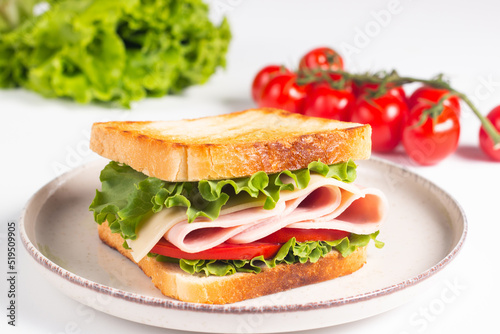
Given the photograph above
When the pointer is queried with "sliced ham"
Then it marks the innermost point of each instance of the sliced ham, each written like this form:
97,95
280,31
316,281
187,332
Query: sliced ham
324,203
203,234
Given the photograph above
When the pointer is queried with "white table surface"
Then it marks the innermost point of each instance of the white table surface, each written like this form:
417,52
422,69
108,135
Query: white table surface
41,138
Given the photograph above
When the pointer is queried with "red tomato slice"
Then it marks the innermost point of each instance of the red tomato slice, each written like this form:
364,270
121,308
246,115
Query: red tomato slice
224,251
305,234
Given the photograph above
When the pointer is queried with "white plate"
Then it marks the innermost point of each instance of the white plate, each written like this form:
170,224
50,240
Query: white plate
424,231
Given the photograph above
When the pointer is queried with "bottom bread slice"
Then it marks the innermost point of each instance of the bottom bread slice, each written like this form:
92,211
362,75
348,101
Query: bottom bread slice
175,283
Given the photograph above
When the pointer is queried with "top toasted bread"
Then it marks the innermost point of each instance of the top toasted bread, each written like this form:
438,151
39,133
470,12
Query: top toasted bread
229,146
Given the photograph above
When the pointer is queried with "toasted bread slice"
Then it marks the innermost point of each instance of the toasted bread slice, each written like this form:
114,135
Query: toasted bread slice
175,283
229,146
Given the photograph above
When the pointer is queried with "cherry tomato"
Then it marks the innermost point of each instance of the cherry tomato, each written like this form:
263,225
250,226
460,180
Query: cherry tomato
426,94
303,234
485,141
324,101
368,87
386,115
263,77
283,92
322,58
224,251
434,140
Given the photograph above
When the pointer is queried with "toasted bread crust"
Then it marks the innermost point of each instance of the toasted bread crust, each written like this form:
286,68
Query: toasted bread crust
175,283
228,146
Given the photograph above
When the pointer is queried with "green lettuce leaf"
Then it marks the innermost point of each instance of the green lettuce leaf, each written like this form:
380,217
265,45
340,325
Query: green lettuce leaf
128,197
114,51
291,252
14,12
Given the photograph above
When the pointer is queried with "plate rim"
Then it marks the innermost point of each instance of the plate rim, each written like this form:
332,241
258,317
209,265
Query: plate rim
231,308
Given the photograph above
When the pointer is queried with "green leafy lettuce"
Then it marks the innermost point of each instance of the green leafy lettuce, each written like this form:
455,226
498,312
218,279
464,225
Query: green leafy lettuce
128,197
14,12
111,50
291,252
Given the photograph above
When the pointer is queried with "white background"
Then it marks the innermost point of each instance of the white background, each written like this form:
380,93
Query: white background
40,138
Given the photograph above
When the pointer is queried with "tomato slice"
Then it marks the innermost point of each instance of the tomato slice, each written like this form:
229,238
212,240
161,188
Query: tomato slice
305,234
268,246
224,251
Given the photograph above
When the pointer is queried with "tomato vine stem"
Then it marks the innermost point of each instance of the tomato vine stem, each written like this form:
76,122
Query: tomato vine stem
388,80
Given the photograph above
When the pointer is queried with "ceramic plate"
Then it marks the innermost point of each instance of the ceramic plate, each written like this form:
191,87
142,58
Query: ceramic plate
59,233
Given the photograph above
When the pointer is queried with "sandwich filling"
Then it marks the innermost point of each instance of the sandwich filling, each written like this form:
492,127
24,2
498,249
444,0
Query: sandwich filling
285,209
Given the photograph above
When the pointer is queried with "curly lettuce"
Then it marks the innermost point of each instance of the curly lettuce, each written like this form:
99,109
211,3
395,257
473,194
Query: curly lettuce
127,197
14,12
291,252
113,51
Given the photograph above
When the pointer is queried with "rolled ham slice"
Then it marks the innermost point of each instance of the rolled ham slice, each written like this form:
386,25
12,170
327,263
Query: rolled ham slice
325,203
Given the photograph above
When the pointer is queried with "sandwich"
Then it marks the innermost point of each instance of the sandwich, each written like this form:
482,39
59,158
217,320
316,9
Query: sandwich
226,208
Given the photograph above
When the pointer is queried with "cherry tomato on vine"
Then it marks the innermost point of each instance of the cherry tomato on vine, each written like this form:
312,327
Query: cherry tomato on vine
386,115
435,139
368,87
283,92
322,58
485,142
324,101
263,77
427,94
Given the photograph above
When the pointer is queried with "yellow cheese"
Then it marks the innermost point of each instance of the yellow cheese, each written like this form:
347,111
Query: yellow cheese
156,226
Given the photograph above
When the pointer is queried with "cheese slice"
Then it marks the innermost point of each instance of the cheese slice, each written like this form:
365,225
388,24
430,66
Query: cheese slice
157,225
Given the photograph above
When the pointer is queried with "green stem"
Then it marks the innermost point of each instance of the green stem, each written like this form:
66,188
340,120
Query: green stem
487,125
383,78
